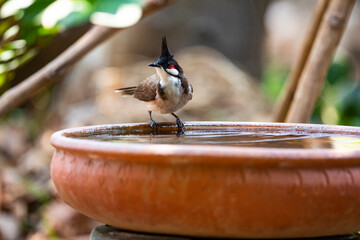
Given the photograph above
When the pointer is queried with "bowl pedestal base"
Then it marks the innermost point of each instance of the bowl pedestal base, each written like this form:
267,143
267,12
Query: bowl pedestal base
105,232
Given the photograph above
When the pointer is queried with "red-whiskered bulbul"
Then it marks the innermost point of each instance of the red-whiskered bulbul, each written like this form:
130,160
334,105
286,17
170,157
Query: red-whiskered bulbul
166,91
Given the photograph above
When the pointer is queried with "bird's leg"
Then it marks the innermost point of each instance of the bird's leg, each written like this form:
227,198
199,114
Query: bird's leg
153,124
179,123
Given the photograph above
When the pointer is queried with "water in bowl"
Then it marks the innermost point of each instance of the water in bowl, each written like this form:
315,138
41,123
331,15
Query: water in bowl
232,137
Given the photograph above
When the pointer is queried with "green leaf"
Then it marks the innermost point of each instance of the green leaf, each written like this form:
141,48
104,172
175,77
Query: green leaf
12,7
38,23
2,79
117,14
17,44
111,6
32,13
80,14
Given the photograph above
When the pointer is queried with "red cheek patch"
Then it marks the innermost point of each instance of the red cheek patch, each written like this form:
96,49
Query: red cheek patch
171,66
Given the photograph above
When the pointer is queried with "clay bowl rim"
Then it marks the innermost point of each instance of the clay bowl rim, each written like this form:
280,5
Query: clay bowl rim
206,154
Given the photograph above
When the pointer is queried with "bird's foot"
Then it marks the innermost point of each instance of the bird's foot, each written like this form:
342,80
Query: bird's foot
153,124
180,124
180,132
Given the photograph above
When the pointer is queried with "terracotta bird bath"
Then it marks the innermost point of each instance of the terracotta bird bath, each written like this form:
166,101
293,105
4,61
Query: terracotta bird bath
218,179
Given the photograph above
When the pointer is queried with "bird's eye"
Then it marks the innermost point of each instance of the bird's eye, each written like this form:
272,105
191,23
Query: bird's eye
171,66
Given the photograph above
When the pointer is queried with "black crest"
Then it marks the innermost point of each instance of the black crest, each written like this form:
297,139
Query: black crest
165,52
166,58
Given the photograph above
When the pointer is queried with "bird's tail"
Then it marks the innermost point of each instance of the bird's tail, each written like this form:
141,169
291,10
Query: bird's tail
126,91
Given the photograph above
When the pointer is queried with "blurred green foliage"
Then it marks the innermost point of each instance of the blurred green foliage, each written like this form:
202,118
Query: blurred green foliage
340,99
273,79
339,102
27,25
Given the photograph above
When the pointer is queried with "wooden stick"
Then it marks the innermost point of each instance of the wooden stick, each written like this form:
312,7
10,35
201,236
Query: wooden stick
313,76
287,94
60,65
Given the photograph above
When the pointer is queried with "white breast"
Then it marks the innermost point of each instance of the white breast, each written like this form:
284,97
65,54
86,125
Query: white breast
170,84
172,87
174,98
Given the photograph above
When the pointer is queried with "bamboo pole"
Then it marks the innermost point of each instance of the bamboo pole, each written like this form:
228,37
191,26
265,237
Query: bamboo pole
60,65
287,94
314,73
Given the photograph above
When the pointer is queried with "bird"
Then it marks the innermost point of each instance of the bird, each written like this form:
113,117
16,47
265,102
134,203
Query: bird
166,91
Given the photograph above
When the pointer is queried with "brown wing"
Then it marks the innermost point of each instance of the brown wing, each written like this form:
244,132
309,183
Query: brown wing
146,90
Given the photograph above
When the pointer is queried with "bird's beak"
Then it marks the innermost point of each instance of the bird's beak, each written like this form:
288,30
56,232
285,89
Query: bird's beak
154,65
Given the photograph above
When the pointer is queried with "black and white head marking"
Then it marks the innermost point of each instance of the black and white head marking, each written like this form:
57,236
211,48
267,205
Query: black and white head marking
167,62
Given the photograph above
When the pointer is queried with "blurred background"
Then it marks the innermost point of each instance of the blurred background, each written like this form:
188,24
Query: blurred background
236,53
